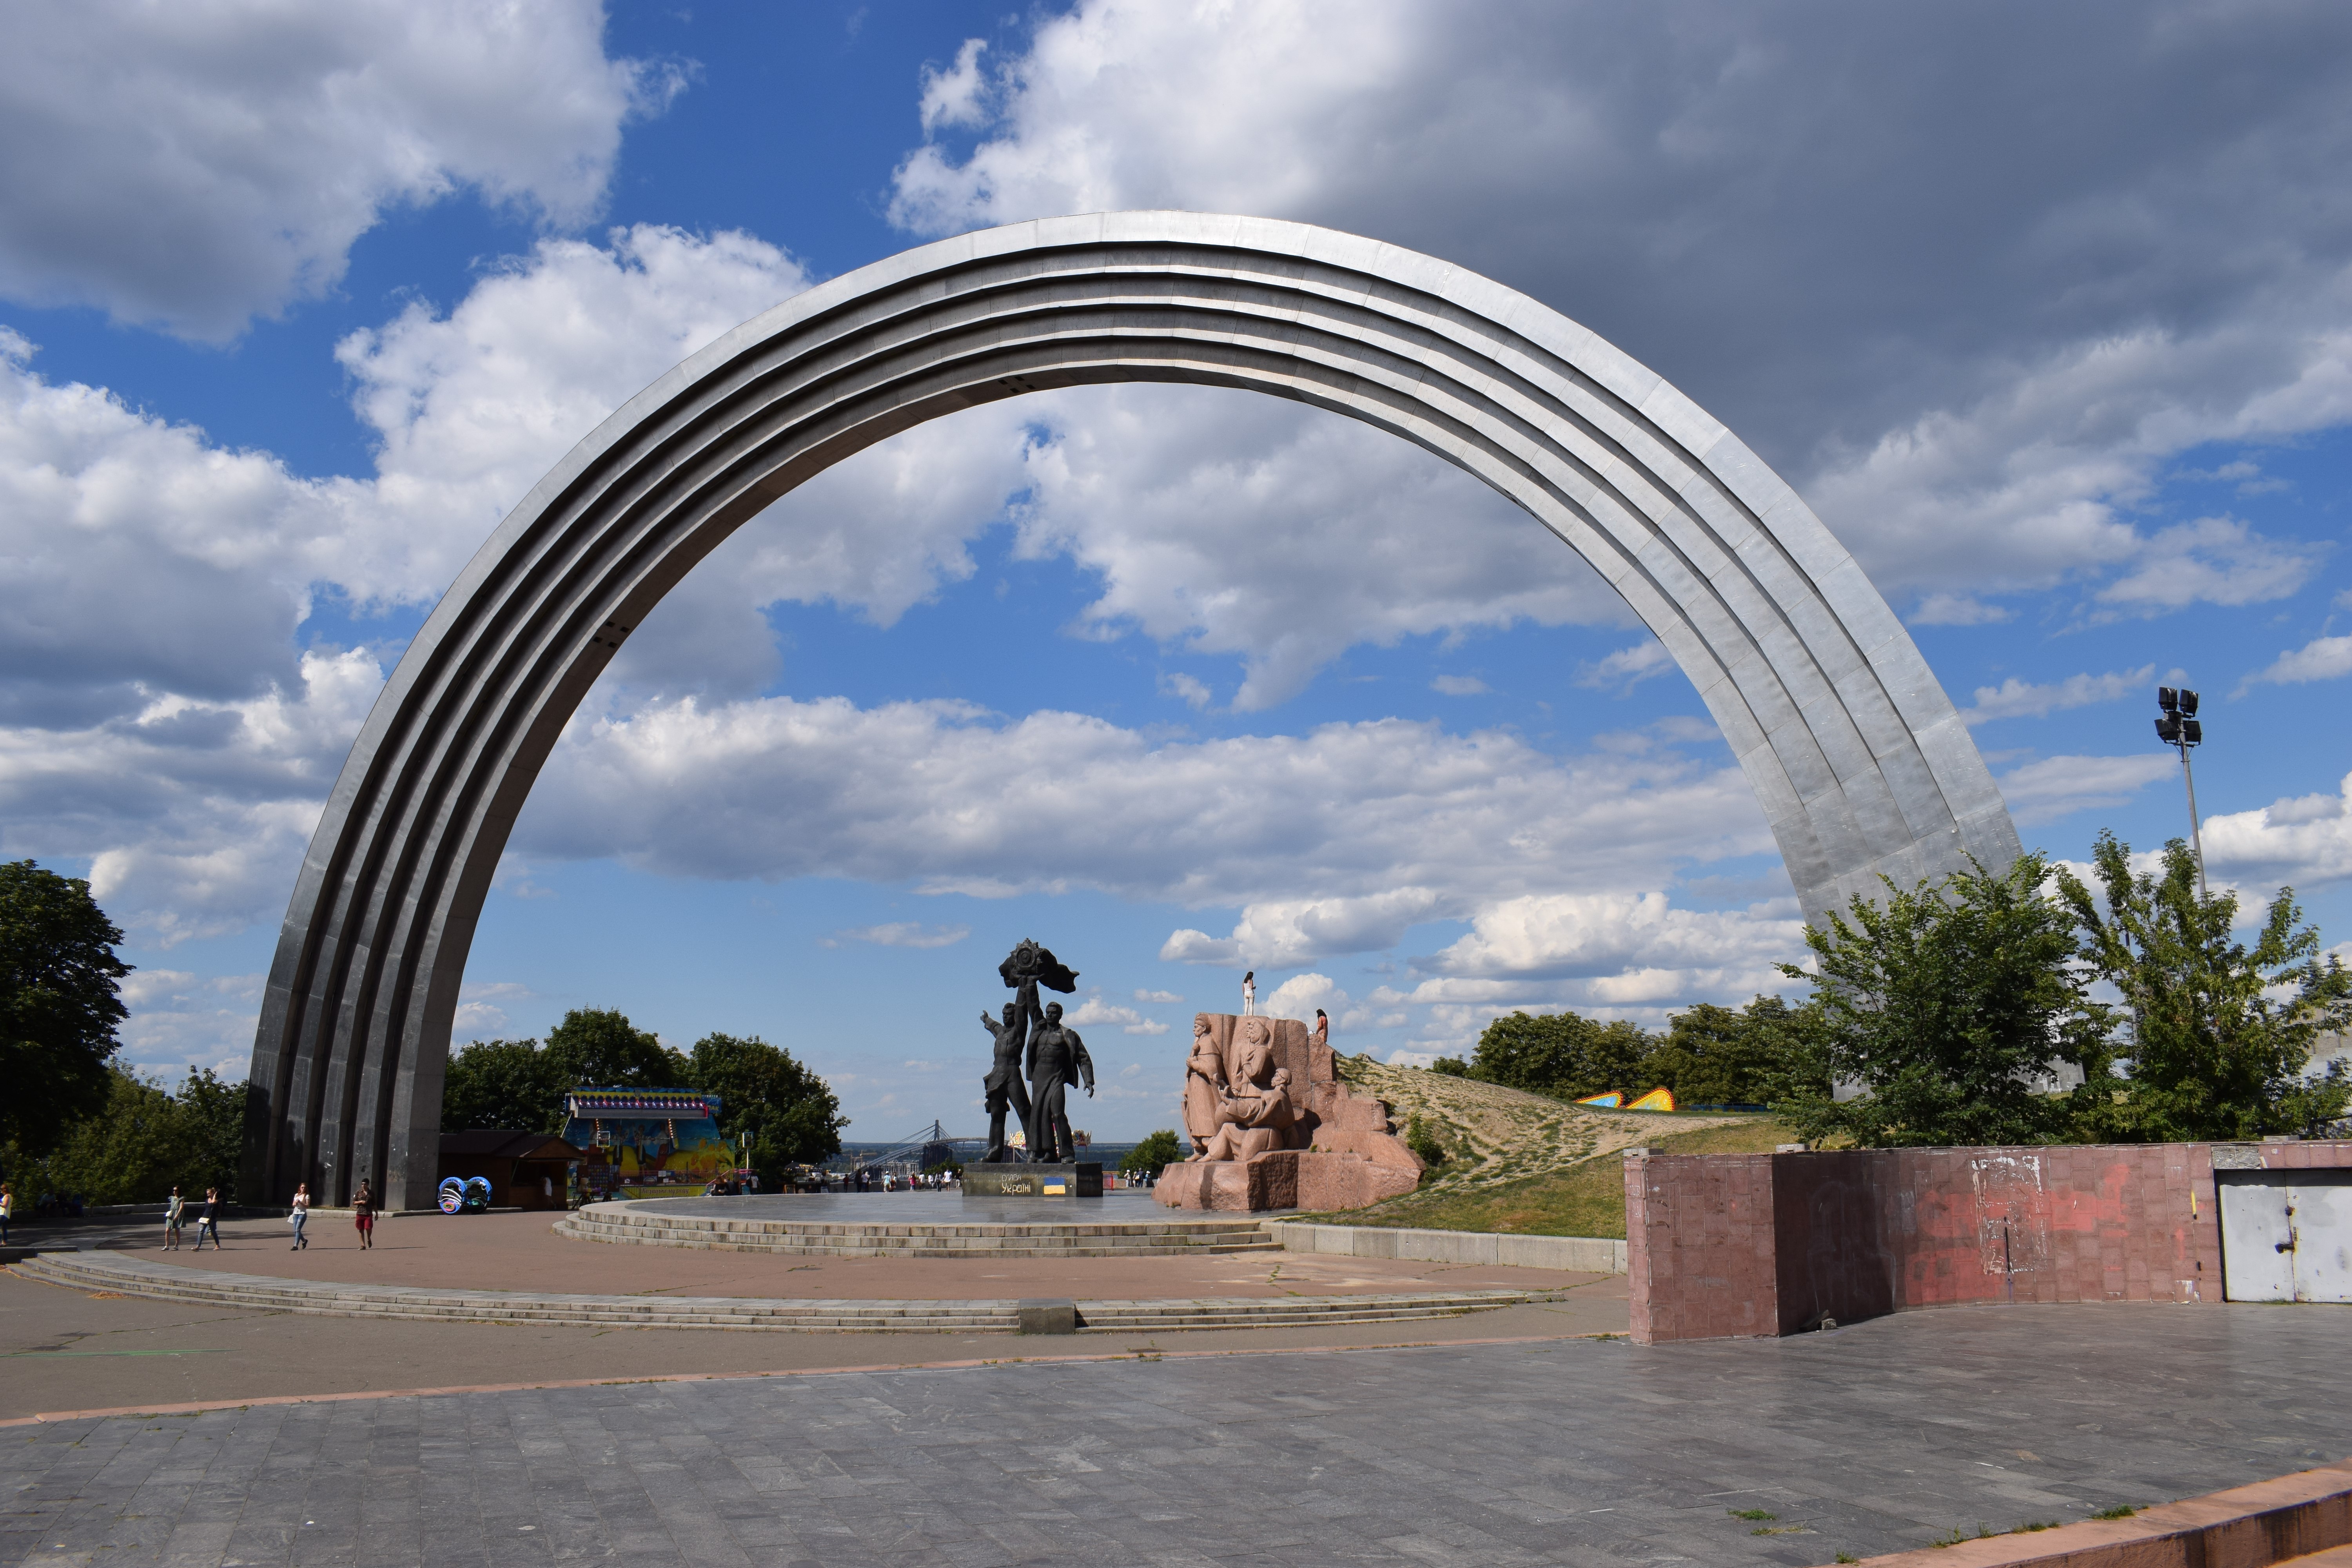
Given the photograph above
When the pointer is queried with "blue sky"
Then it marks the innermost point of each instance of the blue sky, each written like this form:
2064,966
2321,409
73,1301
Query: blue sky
2049,315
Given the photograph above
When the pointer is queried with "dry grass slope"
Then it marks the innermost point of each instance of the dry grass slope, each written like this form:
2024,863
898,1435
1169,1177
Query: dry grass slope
1493,1135
1521,1164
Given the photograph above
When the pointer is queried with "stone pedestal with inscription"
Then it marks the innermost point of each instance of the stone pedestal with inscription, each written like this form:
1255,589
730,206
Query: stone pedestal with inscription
1081,1180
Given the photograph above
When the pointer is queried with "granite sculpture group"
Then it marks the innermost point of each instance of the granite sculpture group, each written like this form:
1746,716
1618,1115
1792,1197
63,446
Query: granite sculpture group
1272,1127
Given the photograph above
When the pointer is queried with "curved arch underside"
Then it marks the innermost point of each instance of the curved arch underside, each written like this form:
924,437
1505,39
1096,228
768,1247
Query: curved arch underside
1856,754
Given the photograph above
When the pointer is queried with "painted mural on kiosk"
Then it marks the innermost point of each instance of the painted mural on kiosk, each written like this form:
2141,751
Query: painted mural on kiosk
645,1143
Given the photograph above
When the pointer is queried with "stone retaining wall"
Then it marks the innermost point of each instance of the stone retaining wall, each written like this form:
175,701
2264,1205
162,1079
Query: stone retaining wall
1576,1253
1725,1246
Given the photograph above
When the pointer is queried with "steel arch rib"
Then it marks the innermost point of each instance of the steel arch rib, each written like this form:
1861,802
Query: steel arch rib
1860,760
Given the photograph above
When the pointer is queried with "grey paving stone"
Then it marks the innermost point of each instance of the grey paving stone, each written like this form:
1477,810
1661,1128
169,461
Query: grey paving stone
1877,1438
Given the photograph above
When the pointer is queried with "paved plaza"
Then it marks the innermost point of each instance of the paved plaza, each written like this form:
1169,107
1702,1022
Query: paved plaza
522,1252
1873,1439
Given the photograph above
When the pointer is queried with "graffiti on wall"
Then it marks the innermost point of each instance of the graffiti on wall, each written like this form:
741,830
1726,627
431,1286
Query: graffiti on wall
2012,1211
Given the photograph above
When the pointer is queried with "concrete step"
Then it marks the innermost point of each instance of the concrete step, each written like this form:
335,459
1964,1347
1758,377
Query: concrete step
165,1281
1137,1239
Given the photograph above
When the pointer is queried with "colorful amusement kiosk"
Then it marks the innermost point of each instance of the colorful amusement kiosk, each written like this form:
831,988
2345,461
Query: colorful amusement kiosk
645,1143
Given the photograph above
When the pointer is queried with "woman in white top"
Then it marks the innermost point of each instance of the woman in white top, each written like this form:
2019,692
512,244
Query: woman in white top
173,1213
301,1213
1249,994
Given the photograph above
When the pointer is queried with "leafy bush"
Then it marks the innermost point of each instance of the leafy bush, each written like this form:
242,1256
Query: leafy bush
1158,1150
144,1141
2216,1036
1565,1055
1423,1142
1952,1006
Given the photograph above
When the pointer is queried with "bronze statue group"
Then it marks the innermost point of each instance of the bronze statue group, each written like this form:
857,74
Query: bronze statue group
1040,1048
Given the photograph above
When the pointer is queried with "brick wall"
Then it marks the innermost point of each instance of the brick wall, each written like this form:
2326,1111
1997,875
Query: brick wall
1722,1246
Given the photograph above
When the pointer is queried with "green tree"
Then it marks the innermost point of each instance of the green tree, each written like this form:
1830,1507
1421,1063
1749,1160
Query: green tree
2217,1035
1156,1150
133,1150
789,1114
502,1083
214,1114
1718,1056
1951,1007
598,1048
1564,1054
58,1006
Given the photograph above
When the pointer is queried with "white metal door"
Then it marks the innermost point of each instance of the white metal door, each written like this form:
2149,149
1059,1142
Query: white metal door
2257,1242
2322,1216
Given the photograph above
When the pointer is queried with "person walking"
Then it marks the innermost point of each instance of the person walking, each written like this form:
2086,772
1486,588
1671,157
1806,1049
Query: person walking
209,1219
300,1215
7,1203
175,1209
364,1215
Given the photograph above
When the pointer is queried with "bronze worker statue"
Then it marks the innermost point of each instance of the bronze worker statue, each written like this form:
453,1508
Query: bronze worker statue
1002,1087
1024,969
1056,1056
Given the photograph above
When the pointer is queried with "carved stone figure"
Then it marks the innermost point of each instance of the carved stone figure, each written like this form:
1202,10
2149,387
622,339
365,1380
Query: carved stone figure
1255,1113
1204,1084
1056,1056
1003,1086
1272,1127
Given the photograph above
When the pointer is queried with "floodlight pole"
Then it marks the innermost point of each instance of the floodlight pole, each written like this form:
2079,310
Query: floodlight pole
2196,836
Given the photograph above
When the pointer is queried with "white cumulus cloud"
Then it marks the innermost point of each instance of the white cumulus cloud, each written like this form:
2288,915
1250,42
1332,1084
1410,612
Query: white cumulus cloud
195,166
2054,788
2013,697
2321,659
1975,279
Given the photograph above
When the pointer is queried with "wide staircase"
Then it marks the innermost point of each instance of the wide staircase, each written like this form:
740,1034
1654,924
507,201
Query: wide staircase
651,1225
121,1274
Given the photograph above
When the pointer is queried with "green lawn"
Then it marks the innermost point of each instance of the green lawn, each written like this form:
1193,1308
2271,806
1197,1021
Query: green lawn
1587,1199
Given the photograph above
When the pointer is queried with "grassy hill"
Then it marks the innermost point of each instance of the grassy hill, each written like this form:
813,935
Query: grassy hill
1521,1164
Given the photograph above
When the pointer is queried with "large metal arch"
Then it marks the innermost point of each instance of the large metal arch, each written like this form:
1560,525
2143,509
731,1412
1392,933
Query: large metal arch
1858,757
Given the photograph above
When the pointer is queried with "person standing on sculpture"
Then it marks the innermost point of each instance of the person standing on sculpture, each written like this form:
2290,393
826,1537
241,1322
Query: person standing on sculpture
1249,994
1003,1087
1056,1056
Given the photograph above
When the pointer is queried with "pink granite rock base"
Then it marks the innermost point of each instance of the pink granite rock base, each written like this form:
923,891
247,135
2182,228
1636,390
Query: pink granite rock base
1282,1179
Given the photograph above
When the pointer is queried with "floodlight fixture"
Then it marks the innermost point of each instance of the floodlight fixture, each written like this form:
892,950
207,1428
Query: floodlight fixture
2176,728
